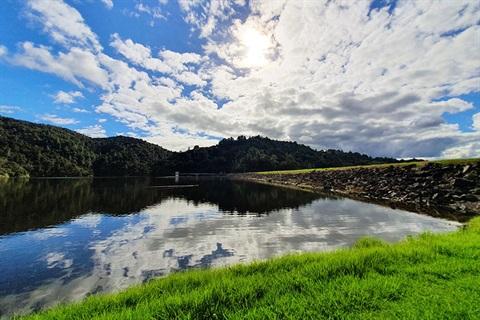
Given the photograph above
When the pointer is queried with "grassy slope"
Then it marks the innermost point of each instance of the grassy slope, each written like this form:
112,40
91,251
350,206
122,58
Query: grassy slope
421,163
433,276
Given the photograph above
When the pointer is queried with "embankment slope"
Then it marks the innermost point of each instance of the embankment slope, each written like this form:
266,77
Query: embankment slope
449,189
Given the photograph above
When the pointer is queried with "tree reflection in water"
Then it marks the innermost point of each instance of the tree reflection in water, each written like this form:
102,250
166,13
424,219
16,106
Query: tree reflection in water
29,204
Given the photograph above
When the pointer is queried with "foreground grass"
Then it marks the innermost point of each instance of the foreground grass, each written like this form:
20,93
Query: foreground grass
417,163
432,276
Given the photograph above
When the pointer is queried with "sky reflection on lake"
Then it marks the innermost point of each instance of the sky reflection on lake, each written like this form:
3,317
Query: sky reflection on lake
95,252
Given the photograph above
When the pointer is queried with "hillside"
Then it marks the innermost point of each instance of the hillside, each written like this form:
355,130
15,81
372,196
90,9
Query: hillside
125,156
259,154
38,150
43,150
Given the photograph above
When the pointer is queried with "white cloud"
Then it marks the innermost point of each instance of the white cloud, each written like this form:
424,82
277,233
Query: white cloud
169,62
476,122
207,16
3,51
180,141
178,61
468,150
56,119
155,11
9,109
67,97
134,52
454,105
78,110
95,131
63,23
120,73
108,3
74,66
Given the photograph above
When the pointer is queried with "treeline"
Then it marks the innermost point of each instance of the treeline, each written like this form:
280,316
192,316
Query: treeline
259,154
38,150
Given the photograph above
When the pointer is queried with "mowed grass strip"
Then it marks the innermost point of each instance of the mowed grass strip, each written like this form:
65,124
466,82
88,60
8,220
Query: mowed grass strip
432,276
383,165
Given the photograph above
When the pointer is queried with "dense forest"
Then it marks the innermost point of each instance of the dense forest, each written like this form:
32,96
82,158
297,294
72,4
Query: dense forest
39,150
259,154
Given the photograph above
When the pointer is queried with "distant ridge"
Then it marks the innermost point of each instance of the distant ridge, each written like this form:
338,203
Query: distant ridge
259,154
39,150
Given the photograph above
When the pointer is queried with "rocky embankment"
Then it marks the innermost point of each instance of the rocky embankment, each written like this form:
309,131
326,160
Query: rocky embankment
449,190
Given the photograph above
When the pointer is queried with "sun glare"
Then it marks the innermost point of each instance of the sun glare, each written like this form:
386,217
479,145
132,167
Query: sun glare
256,47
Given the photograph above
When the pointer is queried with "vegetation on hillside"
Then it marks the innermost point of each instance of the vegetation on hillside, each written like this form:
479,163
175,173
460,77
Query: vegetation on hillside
38,150
259,154
432,276
43,150
124,156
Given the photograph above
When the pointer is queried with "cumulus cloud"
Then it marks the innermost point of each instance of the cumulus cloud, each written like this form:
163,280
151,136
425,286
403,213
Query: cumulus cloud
134,52
206,16
3,51
63,23
476,122
468,150
95,131
108,3
168,62
452,106
74,66
154,11
9,109
78,110
52,118
178,141
67,97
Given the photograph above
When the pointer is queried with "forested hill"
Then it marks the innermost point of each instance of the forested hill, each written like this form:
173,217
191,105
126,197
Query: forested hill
38,150
259,154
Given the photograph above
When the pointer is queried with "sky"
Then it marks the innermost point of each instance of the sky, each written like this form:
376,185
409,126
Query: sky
384,77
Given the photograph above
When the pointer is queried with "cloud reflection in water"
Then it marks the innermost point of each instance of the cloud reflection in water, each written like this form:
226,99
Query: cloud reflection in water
96,253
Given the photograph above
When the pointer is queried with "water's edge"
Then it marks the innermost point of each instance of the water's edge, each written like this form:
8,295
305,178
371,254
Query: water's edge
444,191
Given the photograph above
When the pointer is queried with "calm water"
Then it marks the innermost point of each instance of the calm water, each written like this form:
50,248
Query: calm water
64,239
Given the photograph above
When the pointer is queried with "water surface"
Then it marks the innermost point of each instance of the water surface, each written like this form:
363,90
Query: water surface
64,239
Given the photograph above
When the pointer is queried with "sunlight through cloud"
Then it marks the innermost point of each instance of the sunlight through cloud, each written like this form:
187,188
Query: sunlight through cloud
256,47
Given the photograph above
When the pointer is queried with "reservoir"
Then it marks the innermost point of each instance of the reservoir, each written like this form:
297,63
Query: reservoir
62,240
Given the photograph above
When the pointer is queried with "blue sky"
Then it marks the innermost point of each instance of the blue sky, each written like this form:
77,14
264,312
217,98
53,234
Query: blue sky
383,77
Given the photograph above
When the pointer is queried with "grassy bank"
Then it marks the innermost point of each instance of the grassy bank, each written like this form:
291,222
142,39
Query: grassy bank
416,163
432,276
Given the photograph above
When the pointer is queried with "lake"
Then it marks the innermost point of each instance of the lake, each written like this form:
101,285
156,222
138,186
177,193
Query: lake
64,239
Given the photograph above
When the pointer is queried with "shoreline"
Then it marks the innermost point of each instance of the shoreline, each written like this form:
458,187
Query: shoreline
450,191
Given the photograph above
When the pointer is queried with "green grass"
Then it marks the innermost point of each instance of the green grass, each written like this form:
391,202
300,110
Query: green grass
417,163
432,276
